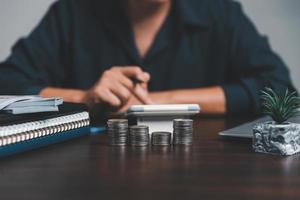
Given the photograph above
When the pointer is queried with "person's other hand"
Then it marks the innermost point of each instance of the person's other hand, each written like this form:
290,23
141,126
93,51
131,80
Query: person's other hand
116,87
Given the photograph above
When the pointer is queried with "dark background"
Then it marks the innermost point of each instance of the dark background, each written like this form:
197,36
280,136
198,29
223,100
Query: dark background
277,18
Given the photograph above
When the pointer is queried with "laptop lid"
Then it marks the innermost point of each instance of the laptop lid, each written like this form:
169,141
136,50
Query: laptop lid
245,130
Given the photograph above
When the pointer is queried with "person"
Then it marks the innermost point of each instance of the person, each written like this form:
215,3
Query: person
122,52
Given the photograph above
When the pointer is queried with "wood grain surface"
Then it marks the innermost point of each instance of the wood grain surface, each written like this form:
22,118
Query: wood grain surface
212,168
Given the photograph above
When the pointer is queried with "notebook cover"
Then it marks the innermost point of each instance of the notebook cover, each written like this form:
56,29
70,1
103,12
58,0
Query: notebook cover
65,109
43,141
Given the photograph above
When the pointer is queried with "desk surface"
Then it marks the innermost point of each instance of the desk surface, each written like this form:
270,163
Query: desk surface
88,168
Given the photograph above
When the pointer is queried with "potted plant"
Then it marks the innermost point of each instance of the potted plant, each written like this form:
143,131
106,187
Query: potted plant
278,136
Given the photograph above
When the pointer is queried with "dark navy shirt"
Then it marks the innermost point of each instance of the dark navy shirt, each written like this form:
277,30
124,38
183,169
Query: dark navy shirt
201,43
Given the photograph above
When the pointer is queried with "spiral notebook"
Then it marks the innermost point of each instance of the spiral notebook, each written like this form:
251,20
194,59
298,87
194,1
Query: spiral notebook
30,131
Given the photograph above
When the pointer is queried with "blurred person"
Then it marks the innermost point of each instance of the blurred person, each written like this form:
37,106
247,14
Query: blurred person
116,53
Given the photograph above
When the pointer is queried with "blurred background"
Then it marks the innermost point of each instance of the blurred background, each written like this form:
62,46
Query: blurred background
279,19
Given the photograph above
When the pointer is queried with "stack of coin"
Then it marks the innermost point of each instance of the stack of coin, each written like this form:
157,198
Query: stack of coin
161,138
139,135
117,131
183,132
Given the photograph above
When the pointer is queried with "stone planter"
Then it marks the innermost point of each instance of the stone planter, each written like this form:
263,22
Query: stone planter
278,139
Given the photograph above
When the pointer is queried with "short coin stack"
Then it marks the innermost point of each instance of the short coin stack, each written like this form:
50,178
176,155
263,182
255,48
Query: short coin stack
183,131
161,138
117,131
139,135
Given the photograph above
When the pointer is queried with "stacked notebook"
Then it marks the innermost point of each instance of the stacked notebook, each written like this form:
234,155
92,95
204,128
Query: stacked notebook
28,104
29,131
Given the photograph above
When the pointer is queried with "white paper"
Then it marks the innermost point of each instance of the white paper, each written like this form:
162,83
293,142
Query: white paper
8,100
28,104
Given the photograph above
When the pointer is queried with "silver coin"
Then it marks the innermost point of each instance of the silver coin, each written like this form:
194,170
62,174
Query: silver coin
117,130
161,138
139,128
182,122
183,132
139,135
161,133
183,140
117,121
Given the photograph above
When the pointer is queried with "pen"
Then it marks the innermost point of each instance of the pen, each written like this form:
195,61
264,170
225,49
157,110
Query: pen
136,81
140,92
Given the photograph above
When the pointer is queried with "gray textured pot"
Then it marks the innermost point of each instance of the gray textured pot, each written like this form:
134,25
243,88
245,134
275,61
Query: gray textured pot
279,139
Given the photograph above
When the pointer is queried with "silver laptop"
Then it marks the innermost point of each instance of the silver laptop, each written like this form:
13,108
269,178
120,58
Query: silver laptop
245,130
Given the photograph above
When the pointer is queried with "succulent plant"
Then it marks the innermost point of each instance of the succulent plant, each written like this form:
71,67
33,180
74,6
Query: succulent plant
280,106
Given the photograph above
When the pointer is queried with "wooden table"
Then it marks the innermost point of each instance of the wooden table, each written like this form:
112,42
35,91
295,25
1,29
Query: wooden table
213,168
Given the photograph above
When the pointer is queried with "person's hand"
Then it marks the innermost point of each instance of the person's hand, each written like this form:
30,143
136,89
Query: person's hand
116,87
132,101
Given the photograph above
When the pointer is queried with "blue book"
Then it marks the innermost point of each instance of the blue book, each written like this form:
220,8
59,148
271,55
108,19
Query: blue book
20,133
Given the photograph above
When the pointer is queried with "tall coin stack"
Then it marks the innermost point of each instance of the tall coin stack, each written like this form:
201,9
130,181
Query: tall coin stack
183,132
139,135
161,138
117,131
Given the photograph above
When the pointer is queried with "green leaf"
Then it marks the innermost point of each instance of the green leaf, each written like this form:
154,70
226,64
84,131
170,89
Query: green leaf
280,106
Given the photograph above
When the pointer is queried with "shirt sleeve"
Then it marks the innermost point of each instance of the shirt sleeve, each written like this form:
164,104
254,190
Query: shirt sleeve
253,65
39,60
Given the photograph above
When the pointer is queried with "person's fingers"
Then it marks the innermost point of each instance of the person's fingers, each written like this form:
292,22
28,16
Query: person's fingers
106,96
132,101
147,77
144,86
130,85
127,82
121,91
118,84
124,108
136,73
142,95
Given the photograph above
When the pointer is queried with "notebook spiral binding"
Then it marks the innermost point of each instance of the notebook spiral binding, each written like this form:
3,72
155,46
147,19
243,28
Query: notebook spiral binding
27,131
